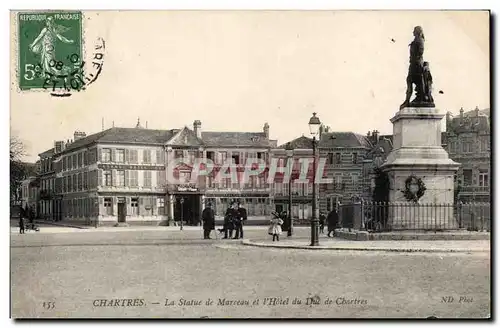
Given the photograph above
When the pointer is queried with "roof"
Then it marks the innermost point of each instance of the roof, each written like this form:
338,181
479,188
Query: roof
344,140
47,153
472,121
299,143
124,135
382,147
485,111
235,139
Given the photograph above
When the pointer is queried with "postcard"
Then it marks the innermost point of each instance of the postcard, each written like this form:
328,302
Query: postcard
266,164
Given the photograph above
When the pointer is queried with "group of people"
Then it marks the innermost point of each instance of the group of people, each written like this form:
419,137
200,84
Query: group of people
236,216
331,221
234,220
26,213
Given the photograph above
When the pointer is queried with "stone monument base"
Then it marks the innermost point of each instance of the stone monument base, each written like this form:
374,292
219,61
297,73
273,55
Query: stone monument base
417,154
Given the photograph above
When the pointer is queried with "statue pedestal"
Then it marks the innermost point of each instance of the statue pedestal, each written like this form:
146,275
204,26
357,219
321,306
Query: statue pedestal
417,152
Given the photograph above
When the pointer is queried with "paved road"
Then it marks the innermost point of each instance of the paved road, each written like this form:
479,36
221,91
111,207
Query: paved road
123,274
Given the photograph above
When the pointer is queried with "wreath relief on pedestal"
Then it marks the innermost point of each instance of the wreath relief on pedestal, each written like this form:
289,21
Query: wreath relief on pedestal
414,188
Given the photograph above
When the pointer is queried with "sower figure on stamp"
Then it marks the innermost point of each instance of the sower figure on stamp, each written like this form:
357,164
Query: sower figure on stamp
45,45
208,218
418,74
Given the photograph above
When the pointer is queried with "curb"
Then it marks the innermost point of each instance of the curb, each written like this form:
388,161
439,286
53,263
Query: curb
367,249
61,225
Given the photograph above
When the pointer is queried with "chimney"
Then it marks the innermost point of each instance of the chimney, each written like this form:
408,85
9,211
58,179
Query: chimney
79,135
375,136
59,146
477,111
197,128
321,131
266,130
461,112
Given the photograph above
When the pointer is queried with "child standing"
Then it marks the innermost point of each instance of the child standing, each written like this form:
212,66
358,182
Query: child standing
275,227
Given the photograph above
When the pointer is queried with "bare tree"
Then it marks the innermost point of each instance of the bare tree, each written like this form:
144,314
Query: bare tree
17,149
17,167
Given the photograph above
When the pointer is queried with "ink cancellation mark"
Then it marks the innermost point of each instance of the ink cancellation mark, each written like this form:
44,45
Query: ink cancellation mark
51,53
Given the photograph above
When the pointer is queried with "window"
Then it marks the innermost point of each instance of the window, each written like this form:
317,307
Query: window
79,160
330,158
191,155
210,155
338,158
178,153
74,160
106,155
133,177
134,204
483,179
133,156
354,158
107,178
467,177
278,188
160,204
75,183
146,156
120,156
80,181
184,177
64,164
85,180
236,159
108,206
120,178
338,181
147,179
260,155
223,157
485,145
354,179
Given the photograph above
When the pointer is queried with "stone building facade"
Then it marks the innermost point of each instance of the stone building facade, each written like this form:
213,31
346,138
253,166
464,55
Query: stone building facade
220,148
468,141
119,175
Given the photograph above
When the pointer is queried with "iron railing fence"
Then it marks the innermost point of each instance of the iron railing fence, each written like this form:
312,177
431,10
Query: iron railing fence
390,216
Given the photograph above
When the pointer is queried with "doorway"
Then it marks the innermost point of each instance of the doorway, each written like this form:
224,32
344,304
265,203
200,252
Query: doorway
189,210
122,210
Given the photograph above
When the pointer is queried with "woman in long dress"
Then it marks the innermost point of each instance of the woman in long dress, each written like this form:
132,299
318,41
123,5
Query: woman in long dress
45,46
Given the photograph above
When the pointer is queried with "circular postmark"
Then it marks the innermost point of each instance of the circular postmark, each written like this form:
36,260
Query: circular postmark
62,80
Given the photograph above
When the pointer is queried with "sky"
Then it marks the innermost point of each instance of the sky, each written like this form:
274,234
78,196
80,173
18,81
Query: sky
236,70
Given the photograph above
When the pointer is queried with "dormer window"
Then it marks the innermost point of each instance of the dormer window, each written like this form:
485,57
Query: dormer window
255,139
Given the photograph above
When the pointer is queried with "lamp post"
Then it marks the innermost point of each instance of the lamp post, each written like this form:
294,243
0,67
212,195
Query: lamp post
314,125
289,154
182,213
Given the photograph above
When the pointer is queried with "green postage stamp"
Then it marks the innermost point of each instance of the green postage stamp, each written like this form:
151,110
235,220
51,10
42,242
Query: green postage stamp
50,50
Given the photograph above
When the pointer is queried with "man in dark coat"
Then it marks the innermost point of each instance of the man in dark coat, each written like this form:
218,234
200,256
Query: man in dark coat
229,222
21,221
322,219
333,219
208,218
241,217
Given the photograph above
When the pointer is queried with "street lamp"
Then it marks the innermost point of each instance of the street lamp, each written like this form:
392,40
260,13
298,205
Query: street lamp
314,125
289,154
182,212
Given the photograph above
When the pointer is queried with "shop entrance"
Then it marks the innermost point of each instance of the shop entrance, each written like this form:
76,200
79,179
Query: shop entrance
188,210
122,209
